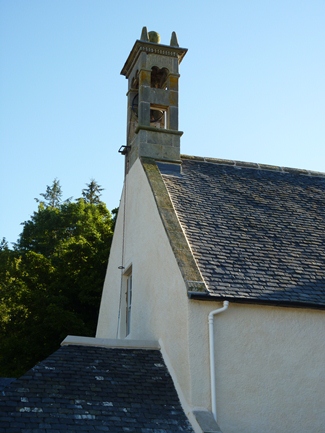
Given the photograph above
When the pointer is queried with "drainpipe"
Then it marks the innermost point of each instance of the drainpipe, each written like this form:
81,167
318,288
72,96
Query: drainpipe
212,368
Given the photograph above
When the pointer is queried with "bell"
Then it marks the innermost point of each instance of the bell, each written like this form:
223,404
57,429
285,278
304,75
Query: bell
156,115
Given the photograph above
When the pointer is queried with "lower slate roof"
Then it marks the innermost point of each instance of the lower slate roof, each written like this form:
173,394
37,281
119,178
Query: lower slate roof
86,389
256,232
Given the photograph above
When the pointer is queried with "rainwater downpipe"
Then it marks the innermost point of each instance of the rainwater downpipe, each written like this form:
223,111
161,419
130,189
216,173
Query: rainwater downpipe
212,360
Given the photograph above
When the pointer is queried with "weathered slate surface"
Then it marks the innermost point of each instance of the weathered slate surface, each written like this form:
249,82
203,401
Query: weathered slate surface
86,389
256,232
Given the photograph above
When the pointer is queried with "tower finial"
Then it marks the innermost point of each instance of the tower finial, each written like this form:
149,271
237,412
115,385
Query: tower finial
173,40
144,34
154,37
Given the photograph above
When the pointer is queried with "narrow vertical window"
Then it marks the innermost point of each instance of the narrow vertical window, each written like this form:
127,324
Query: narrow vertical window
124,327
128,303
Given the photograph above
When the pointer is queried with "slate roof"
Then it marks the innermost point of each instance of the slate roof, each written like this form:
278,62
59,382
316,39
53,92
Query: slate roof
257,232
86,389
5,381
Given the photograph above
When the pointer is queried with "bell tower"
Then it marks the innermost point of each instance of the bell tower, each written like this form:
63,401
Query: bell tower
152,70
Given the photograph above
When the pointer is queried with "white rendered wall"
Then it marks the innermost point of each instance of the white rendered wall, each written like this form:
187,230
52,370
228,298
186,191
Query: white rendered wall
270,367
159,298
109,306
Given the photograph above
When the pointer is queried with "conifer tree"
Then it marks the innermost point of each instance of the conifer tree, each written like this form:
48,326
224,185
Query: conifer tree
52,196
93,192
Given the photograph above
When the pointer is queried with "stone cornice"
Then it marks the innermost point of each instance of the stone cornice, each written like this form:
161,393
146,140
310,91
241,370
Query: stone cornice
151,48
159,130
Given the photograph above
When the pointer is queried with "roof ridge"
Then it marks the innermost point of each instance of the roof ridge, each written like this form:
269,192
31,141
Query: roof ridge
257,166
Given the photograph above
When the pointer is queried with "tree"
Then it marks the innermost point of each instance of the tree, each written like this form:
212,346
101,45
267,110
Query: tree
92,193
51,282
52,195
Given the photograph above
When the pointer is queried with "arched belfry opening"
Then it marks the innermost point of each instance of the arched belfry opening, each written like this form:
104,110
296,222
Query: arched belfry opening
152,70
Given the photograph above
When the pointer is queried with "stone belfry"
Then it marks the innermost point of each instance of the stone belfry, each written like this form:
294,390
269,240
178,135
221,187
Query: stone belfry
152,70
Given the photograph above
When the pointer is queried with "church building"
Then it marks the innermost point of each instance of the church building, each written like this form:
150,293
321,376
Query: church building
212,312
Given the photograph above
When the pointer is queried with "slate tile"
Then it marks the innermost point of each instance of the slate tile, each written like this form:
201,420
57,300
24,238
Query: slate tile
82,410
275,217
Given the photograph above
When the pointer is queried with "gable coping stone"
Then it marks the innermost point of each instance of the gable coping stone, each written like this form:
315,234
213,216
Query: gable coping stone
183,254
110,343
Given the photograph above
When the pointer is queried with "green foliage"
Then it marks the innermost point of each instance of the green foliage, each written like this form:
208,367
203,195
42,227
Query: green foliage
51,282
92,193
52,195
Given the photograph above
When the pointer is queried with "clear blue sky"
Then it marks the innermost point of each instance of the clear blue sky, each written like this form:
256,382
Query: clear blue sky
252,88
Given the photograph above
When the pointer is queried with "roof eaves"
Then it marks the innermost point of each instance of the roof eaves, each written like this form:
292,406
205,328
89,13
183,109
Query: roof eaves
209,296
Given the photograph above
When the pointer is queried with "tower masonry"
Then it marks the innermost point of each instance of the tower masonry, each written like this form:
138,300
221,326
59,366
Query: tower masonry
152,70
